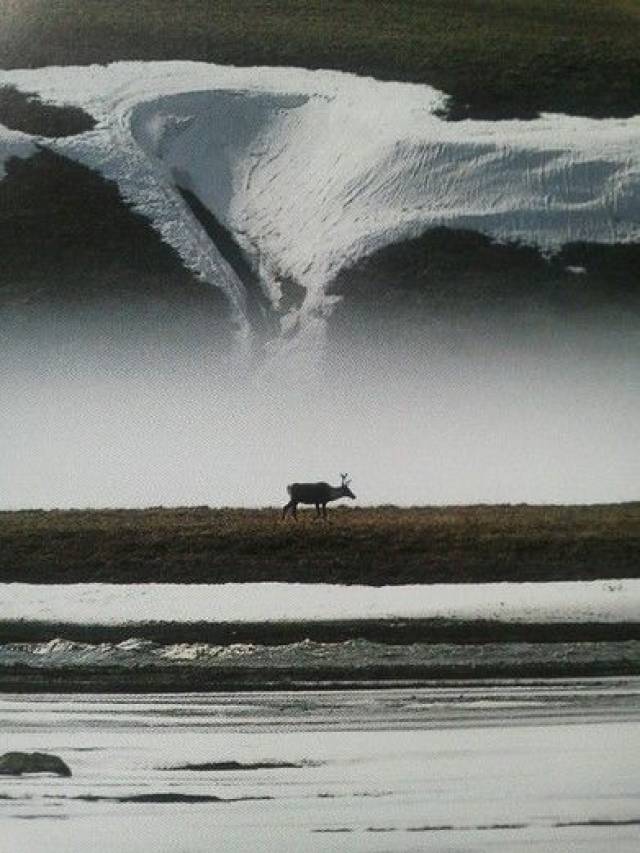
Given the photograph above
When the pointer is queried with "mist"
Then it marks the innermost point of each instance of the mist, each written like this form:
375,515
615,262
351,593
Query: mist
86,424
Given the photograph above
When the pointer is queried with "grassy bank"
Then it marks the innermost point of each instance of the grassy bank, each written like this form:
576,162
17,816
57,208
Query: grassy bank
383,545
496,58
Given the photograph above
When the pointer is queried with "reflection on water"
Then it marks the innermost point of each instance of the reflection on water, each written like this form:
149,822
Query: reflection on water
483,765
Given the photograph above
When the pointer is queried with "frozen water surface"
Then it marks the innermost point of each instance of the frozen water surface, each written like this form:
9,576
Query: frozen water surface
484,766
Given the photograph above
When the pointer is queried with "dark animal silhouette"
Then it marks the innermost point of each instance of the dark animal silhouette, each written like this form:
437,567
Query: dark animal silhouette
316,493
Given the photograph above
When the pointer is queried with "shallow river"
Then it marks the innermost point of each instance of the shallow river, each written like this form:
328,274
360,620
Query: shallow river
544,766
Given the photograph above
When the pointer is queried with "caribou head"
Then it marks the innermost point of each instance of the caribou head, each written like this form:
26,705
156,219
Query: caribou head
346,491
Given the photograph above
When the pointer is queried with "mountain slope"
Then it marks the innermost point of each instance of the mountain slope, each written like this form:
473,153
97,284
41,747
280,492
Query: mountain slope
307,174
497,58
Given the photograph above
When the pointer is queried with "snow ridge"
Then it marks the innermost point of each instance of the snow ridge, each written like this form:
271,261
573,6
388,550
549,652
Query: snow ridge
114,604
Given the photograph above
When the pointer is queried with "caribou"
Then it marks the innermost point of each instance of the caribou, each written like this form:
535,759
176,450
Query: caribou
316,493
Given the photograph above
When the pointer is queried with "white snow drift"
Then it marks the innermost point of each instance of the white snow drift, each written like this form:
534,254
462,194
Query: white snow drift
106,604
311,170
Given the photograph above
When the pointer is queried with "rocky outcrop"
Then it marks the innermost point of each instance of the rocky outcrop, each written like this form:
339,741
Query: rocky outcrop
18,763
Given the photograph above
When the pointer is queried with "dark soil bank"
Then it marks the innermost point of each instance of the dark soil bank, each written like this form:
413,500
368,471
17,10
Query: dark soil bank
376,546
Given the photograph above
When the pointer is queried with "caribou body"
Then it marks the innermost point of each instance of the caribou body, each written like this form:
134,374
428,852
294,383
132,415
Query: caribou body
316,493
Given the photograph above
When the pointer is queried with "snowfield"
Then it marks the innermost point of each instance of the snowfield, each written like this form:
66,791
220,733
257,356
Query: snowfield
311,170
112,604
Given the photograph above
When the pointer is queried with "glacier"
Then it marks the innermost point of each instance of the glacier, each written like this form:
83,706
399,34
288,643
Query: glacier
312,170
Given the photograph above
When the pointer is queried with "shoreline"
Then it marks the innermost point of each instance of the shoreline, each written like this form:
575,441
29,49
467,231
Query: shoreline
387,631
180,680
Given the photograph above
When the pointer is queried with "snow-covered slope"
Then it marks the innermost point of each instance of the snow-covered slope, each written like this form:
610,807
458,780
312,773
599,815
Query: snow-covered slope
105,604
312,170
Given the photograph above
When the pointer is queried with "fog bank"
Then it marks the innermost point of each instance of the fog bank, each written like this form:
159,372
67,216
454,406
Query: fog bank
481,423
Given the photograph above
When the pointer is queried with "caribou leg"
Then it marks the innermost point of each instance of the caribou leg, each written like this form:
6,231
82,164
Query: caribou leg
286,508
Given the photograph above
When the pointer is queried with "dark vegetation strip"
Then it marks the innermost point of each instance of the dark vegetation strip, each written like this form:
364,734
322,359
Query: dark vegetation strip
374,546
45,816
496,58
169,797
232,766
176,679
25,111
332,830
450,827
634,821
388,631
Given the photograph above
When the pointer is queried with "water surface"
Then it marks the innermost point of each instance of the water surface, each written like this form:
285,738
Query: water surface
467,766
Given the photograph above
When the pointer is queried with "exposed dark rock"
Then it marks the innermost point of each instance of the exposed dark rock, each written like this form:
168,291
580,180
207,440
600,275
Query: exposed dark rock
258,306
465,280
293,294
25,111
450,270
78,263
19,763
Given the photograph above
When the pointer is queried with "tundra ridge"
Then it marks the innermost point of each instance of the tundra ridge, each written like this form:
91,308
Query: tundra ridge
376,546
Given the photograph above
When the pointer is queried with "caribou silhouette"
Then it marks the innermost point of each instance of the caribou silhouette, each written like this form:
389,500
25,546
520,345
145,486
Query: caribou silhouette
316,493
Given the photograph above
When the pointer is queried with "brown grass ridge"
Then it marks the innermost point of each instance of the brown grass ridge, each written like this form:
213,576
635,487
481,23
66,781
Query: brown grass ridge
376,546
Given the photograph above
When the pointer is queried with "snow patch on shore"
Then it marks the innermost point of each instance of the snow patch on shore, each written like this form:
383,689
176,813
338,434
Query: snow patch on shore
113,604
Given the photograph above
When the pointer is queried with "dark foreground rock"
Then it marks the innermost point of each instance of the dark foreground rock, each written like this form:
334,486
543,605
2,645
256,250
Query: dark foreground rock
18,763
